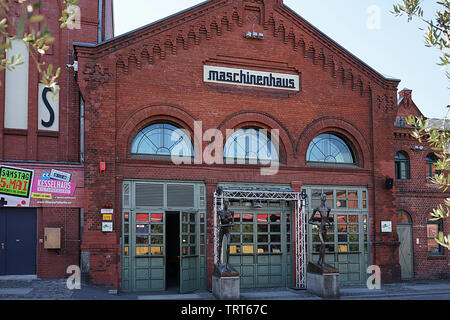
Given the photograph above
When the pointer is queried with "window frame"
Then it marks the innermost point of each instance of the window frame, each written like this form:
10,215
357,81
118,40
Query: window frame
399,162
440,225
430,164
313,144
171,126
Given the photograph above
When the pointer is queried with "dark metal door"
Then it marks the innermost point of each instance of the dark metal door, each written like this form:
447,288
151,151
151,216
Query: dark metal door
2,242
20,246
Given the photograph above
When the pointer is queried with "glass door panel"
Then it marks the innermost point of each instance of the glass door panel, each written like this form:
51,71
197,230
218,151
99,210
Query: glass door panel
189,251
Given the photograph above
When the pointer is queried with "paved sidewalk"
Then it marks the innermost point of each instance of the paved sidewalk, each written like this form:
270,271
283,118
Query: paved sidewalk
36,289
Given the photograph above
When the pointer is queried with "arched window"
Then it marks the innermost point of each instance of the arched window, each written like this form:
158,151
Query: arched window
251,145
401,165
329,148
431,165
403,217
162,139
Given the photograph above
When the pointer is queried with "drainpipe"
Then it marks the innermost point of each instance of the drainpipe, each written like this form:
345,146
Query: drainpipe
81,130
100,21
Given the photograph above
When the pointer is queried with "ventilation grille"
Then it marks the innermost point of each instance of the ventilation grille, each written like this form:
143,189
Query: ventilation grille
179,195
149,195
126,195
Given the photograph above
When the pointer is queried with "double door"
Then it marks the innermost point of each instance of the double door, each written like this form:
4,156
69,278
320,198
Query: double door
17,241
163,250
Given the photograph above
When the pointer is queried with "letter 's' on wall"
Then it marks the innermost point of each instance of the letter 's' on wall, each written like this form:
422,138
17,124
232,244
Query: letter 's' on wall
16,89
48,105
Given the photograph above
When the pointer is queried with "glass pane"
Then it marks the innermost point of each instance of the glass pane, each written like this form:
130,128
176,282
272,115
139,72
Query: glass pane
125,216
192,217
329,238
247,249
353,238
247,238
125,250
433,246
156,228
125,240
341,194
142,228
141,217
342,238
235,228
156,250
341,203
184,228
353,204
275,248
353,219
354,247
157,239
262,217
263,228
235,238
237,217
247,228
202,217
342,219
125,228
192,228
141,239
192,250
275,218
329,247
342,228
353,228
235,249
157,217
185,217
342,248
432,230
185,239
142,251
275,228
275,238
247,217
263,248
315,238
192,240
353,194
402,217
263,238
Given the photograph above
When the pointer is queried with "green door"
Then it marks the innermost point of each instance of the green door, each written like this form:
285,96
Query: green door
405,252
189,252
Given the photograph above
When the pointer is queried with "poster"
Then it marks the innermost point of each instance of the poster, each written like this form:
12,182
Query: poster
15,186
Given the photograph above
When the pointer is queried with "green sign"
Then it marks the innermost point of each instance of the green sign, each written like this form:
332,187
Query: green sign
15,182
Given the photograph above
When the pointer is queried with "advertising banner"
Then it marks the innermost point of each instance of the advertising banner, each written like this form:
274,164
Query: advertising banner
15,186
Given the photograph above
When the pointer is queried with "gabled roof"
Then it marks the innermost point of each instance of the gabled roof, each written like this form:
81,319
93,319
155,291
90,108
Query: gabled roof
204,8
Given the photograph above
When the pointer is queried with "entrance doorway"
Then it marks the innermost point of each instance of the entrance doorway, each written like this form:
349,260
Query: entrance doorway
17,241
173,251
404,230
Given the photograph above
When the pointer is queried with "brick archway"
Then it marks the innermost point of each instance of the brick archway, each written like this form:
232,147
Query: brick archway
148,115
265,121
333,125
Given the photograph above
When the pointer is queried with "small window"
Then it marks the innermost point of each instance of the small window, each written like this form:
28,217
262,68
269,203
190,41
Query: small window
434,230
402,165
162,139
403,218
431,165
329,148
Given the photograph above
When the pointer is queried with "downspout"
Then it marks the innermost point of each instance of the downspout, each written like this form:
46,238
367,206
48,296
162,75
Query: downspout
100,21
81,130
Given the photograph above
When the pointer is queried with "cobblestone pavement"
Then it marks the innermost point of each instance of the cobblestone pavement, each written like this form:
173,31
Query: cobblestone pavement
34,289
37,289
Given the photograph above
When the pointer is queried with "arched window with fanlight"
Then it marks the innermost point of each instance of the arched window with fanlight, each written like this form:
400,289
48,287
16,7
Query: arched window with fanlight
431,165
251,146
401,165
164,140
329,148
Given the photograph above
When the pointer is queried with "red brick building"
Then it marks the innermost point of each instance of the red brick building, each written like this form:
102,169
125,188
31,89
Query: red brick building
41,138
270,91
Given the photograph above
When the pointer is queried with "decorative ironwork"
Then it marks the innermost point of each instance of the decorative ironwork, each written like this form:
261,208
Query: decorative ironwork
299,203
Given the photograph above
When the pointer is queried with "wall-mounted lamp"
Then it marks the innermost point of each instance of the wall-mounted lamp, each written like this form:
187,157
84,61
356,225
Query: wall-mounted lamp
388,183
417,148
254,35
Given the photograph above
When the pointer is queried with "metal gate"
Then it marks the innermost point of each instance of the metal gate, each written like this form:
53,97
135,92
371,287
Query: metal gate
268,254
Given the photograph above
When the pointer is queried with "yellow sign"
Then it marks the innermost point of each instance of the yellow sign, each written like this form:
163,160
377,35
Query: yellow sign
107,217
47,196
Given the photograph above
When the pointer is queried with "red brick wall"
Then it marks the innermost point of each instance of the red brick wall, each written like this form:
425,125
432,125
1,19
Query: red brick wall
418,196
53,263
157,73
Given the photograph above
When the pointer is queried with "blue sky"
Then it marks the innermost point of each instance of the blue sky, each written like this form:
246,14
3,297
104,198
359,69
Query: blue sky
367,29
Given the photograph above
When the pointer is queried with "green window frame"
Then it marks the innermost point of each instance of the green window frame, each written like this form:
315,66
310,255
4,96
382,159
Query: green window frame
434,230
402,166
430,161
